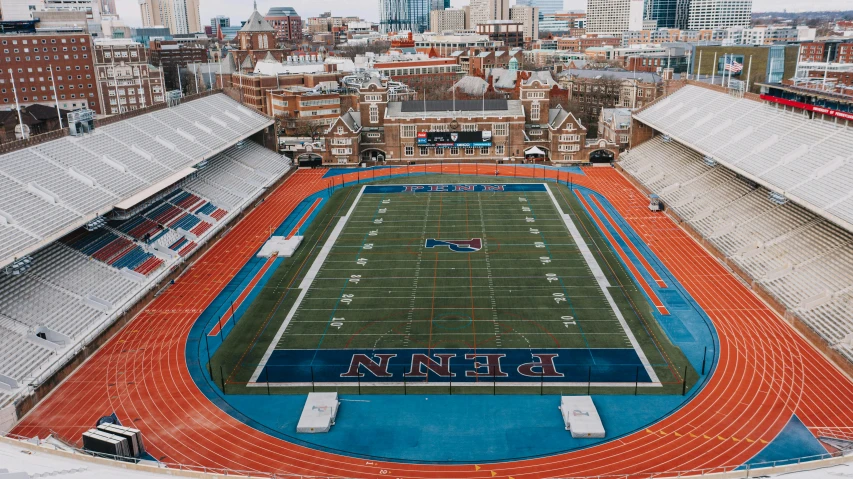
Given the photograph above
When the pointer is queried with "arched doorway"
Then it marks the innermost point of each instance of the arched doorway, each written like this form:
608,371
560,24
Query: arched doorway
309,160
601,156
373,155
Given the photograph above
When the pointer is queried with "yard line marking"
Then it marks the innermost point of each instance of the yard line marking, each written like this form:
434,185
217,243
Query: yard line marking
306,283
603,283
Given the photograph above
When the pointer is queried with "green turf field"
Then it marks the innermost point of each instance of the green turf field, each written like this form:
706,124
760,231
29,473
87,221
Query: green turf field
379,288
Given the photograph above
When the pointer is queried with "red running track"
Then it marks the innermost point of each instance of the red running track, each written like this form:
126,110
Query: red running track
766,371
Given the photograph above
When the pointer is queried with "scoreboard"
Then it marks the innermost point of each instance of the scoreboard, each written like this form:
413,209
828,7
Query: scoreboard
454,139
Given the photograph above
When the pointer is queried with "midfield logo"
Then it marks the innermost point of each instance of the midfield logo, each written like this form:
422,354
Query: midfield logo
459,246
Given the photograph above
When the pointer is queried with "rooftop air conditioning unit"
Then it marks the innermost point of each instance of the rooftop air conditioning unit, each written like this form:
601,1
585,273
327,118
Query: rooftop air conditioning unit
709,161
666,139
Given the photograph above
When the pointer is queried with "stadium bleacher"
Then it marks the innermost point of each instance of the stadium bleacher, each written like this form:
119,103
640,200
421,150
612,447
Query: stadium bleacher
80,284
809,161
801,258
52,188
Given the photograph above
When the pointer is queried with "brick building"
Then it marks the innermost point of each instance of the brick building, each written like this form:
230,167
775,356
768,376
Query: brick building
526,128
125,79
171,55
37,60
286,22
301,107
510,32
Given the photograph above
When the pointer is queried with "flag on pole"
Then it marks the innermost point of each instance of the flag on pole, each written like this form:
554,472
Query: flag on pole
733,66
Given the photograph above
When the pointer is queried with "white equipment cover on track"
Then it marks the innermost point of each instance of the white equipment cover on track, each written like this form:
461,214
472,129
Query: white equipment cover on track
319,413
281,245
581,417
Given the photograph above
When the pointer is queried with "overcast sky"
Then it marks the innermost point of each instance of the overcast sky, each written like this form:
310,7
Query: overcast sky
369,9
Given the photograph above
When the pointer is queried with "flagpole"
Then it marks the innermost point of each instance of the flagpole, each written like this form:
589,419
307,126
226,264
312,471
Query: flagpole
699,67
17,106
748,74
55,96
714,69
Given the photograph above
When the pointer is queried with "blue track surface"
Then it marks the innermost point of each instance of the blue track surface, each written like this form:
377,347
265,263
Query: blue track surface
468,428
795,441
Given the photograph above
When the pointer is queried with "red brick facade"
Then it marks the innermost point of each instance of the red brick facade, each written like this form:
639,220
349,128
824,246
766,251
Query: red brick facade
34,60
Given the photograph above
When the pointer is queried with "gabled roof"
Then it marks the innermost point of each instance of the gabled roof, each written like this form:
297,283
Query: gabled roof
247,62
256,23
543,77
471,85
557,117
503,78
351,119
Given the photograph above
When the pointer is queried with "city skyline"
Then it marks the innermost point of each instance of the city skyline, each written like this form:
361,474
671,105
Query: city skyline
238,11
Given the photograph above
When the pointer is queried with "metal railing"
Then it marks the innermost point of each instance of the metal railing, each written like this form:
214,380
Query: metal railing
736,471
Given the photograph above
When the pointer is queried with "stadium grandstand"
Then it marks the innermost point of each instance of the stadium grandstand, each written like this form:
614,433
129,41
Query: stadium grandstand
769,188
737,301
90,223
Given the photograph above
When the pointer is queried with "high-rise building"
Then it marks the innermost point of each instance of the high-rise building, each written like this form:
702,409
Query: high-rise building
483,11
180,16
440,5
287,23
447,20
710,14
108,7
614,16
399,15
529,18
18,10
545,6
668,13
220,21
73,75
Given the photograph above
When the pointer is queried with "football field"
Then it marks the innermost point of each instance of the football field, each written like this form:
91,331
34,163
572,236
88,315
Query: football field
457,285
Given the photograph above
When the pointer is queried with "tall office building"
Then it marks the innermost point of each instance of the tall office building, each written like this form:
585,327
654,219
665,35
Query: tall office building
529,19
449,19
220,21
716,14
17,10
483,11
545,7
614,16
440,5
668,13
399,15
179,16
108,7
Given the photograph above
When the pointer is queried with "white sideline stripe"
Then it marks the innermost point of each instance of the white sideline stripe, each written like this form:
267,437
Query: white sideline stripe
306,283
604,284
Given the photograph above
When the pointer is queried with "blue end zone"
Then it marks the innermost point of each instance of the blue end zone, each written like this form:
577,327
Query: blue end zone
453,188
513,365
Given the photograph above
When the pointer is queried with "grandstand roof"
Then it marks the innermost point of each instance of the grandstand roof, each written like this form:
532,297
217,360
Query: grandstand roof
53,188
809,161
